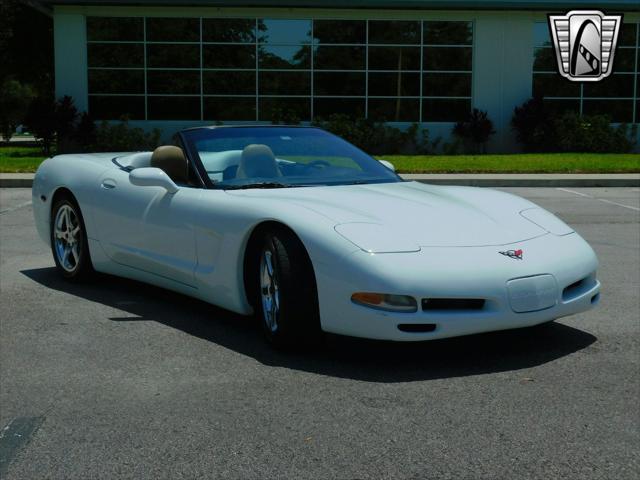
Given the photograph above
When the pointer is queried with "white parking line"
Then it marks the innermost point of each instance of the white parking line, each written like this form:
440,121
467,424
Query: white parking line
574,192
599,199
619,204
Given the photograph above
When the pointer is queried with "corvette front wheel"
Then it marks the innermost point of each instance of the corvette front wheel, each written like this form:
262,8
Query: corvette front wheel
287,300
69,243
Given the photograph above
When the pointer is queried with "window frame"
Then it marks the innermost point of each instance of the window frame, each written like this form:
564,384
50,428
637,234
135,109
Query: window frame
312,45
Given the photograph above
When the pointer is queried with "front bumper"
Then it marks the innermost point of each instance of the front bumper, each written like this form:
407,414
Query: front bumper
567,264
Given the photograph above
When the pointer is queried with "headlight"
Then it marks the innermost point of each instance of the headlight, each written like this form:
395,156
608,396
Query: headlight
376,238
386,301
547,220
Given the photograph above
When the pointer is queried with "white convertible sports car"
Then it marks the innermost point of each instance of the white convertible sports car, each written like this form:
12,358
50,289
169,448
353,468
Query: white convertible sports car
311,234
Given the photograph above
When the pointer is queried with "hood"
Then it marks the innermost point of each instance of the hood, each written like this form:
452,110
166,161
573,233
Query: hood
405,216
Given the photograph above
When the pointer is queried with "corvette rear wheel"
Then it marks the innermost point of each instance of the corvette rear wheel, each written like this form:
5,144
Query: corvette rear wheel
287,300
69,240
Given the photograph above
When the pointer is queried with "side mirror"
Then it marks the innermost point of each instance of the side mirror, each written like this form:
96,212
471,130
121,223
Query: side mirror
387,164
152,177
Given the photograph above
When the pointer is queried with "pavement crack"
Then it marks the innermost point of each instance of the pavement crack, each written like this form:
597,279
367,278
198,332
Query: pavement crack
17,207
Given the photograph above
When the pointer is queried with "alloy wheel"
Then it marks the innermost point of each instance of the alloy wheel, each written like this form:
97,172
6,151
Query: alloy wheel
67,238
269,291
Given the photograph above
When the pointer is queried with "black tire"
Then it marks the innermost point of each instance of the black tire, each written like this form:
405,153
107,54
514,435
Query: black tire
297,317
73,269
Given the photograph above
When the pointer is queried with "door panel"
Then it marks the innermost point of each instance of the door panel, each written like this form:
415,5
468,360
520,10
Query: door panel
147,227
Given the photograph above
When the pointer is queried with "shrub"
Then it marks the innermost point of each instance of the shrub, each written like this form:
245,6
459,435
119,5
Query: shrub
51,120
531,124
375,137
121,137
280,116
66,116
14,103
453,147
41,121
475,130
85,133
540,129
591,133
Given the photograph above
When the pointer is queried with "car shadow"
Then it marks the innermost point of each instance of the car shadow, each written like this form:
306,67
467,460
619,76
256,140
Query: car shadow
344,357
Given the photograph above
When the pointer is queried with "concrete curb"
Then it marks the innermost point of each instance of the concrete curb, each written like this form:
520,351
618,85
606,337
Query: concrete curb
529,180
25,180
16,180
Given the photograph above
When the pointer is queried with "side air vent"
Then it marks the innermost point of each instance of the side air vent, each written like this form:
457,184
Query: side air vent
447,304
417,327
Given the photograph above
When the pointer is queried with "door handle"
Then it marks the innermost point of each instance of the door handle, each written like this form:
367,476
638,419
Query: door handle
108,184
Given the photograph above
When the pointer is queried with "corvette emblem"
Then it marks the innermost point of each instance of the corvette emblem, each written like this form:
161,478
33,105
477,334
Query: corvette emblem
516,254
585,43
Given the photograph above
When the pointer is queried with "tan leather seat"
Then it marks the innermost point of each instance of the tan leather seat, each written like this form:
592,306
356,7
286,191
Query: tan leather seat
171,159
258,160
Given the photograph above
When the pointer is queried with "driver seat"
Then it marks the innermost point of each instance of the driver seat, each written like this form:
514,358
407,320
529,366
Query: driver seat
172,161
257,160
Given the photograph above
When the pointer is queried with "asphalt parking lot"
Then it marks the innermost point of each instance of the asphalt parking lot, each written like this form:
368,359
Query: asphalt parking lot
116,379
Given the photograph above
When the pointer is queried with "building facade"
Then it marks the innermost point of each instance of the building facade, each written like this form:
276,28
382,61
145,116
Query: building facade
169,64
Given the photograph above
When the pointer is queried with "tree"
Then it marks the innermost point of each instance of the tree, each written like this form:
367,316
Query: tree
532,124
477,129
40,121
66,115
51,120
85,133
14,103
26,44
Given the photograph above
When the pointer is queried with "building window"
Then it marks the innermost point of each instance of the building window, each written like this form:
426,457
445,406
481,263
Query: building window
284,69
247,69
447,71
616,95
116,61
339,67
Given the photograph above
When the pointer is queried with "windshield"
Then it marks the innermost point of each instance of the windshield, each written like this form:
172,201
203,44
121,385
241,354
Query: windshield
277,157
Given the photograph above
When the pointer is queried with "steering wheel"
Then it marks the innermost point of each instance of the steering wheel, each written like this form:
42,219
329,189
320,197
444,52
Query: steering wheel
319,164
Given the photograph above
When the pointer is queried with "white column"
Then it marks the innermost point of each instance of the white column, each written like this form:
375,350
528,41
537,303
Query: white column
502,70
70,52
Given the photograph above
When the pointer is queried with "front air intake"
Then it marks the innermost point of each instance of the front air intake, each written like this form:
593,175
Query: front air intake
417,327
578,288
448,304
